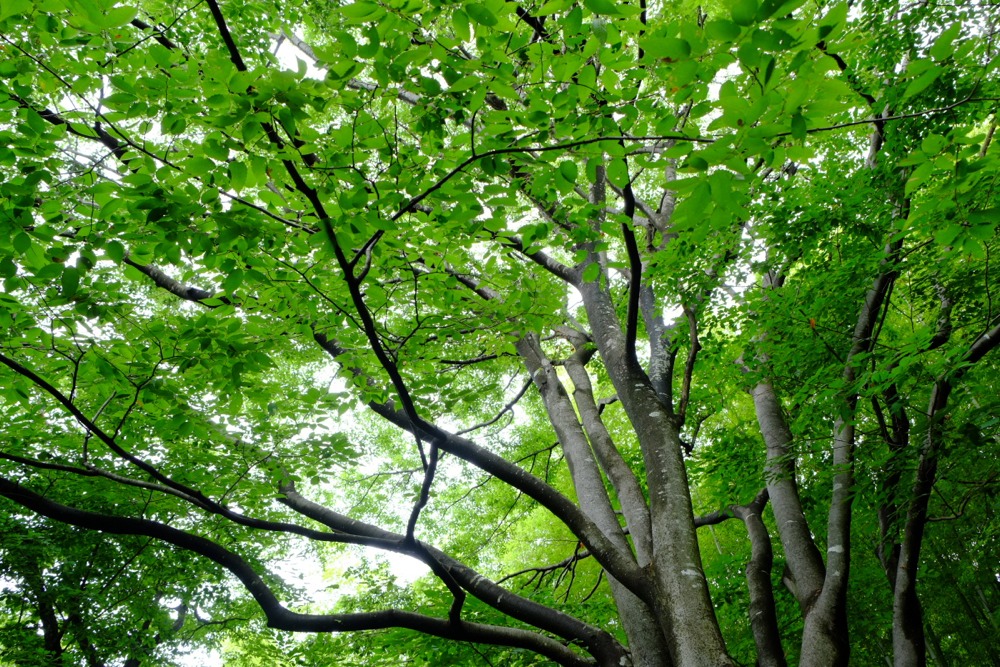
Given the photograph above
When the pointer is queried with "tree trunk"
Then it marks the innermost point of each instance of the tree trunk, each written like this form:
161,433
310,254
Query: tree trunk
683,601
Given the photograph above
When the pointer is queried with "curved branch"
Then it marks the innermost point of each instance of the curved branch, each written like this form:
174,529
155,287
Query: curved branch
175,287
598,642
692,356
277,615
621,566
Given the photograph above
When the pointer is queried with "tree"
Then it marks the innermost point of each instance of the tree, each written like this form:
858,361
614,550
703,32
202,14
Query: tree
734,260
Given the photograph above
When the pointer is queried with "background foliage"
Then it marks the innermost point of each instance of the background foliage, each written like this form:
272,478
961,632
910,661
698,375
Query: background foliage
214,263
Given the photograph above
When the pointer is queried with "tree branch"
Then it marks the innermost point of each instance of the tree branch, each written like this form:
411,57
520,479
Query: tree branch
278,616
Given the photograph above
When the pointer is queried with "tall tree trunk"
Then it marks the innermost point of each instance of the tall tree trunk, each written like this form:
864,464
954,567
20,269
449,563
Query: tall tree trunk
909,644
646,638
682,595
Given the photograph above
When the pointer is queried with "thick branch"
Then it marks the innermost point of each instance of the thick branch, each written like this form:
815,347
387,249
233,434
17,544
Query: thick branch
635,274
621,476
601,644
763,614
620,566
277,615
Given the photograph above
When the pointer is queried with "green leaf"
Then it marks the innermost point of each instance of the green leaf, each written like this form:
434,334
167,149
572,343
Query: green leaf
10,8
922,82
116,17
70,282
618,172
933,144
835,17
237,175
233,281
199,166
779,8
591,273
552,7
672,48
463,84
722,30
481,15
214,149
22,242
744,12
799,128
569,170
115,251
606,7
944,45
696,162
362,11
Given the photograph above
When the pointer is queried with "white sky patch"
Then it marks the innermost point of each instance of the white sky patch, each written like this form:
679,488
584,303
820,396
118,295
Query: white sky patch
291,58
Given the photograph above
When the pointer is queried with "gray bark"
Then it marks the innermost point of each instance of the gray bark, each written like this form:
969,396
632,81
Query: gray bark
682,597
763,615
646,639
909,644
802,557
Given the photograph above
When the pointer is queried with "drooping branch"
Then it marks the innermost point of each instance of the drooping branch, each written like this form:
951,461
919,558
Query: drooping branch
598,642
619,565
278,616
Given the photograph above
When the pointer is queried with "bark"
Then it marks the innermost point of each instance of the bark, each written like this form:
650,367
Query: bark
662,353
639,622
763,615
909,644
682,597
802,557
804,565
622,478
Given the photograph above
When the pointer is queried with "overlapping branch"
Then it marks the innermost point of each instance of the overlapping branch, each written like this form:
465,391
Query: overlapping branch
277,615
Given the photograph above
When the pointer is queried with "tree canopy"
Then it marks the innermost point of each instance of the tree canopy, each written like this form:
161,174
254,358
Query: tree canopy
655,333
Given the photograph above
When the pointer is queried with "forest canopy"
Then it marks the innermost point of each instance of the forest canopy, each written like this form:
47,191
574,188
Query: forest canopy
647,333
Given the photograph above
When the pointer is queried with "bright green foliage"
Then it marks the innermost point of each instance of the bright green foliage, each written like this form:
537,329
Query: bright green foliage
215,260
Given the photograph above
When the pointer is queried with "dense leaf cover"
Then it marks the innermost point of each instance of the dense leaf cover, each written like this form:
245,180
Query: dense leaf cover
653,333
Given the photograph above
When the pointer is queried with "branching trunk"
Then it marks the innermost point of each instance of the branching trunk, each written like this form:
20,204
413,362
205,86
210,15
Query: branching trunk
682,596
645,636
909,644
